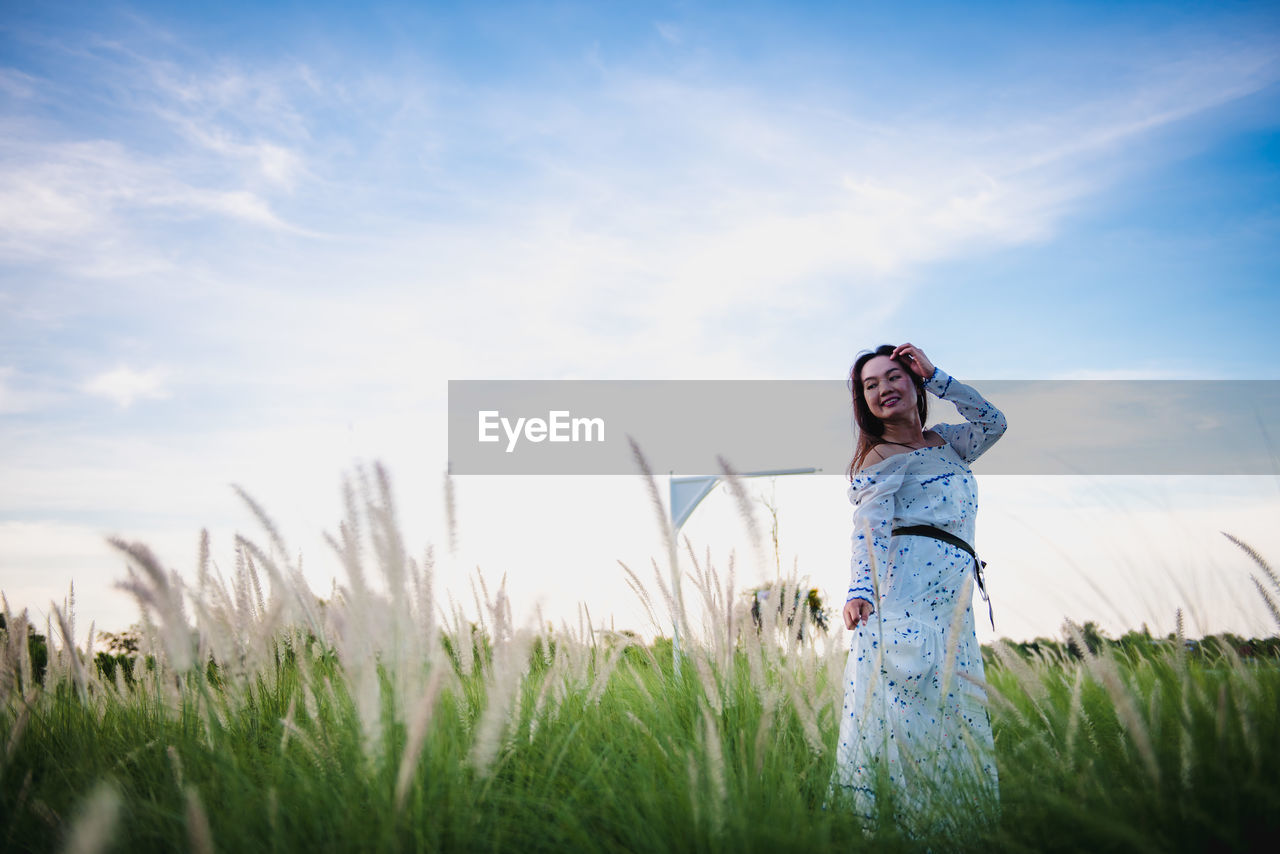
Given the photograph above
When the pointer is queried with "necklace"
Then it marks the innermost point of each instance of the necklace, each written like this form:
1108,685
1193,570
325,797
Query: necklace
905,445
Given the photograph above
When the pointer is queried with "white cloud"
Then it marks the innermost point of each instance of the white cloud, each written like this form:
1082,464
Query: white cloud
91,207
669,32
17,84
124,385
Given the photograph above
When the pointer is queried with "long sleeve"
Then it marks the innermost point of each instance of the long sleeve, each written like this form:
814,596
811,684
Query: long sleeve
872,492
985,424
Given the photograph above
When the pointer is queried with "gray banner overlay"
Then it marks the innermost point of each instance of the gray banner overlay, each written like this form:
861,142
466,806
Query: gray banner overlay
1075,427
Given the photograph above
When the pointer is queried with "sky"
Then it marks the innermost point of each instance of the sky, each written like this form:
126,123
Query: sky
251,244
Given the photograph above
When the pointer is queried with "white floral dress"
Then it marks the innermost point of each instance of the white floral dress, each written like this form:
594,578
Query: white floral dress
914,705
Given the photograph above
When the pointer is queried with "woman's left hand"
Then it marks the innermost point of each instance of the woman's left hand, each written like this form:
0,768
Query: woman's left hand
916,358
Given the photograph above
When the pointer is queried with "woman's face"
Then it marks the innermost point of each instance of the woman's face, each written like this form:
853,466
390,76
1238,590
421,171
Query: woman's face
888,388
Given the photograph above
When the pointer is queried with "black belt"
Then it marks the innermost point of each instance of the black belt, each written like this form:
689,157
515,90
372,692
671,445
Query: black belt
948,537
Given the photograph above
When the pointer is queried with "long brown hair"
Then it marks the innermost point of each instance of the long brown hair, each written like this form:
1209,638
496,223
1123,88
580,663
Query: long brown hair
871,428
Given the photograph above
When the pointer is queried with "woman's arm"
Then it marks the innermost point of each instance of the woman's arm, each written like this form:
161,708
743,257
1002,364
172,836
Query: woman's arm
986,423
872,491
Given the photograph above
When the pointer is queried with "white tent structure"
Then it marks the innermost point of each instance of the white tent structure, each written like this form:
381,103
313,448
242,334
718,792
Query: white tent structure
687,493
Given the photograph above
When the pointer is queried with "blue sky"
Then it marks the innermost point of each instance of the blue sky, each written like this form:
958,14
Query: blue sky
252,243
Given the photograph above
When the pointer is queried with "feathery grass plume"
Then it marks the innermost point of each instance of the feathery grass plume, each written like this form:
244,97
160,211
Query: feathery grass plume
1180,652
351,516
74,665
791,606
746,510
417,735
202,560
273,533
313,750
15,661
1267,597
463,637
450,511
1076,637
388,544
1257,558
159,592
667,598
769,698
122,689
255,581
52,660
702,581
1185,684
90,640
695,801
26,669
804,711
1244,693
587,629
678,616
286,723
550,677
69,608
1003,701
426,595
707,678
753,644
94,826
15,733
755,653
511,662
578,654
633,581
640,725
176,762
367,692
638,680
1075,712
348,551
1102,668
294,590
601,681
1220,718
718,645
403,645
199,834
1028,679
729,617
273,811
713,750
288,582
475,594
243,592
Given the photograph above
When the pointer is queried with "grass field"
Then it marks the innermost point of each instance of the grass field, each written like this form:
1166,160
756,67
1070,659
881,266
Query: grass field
385,722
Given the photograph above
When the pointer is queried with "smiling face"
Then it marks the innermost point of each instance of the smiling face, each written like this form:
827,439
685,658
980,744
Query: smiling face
888,388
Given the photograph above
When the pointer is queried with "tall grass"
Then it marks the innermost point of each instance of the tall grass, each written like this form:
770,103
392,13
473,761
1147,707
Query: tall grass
258,717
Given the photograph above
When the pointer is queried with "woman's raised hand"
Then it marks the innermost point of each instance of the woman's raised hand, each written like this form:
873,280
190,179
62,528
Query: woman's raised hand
916,358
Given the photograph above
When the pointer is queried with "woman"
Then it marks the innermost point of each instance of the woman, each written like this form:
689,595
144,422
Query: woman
914,711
